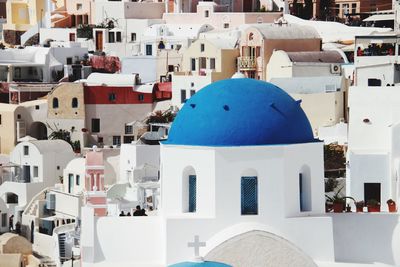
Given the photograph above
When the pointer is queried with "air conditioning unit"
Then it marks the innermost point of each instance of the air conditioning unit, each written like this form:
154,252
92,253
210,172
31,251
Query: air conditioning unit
336,69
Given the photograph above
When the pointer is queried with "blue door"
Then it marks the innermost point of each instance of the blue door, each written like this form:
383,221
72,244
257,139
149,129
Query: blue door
249,196
192,193
301,192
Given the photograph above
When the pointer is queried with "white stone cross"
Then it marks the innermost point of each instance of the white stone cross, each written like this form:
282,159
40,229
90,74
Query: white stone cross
196,245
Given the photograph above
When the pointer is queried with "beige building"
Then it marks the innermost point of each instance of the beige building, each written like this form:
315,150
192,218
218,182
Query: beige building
204,62
66,109
284,64
16,251
12,126
260,40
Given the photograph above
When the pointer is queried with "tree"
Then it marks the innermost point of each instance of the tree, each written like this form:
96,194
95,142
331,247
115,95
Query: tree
62,135
334,161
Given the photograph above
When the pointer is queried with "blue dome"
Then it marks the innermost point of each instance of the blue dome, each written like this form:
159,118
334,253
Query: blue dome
240,112
200,264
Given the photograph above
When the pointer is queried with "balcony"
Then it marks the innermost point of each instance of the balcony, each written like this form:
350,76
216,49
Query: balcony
247,63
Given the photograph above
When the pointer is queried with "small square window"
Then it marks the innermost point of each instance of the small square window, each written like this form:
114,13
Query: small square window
111,37
212,63
112,97
226,25
149,50
69,60
58,167
183,96
37,107
141,97
96,126
193,64
78,6
26,150
119,37
202,47
192,92
116,140
128,129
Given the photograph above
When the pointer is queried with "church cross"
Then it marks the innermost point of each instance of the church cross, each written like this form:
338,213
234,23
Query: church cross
196,245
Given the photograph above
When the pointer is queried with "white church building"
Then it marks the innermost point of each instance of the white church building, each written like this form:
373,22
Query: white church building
242,176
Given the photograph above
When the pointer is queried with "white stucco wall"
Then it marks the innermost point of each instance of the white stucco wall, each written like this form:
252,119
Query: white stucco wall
373,149
135,155
367,238
187,83
145,66
114,117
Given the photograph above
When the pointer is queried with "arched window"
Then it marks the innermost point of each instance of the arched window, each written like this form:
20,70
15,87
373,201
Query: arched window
249,193
12,198
55,102
74,102
189,190
305,189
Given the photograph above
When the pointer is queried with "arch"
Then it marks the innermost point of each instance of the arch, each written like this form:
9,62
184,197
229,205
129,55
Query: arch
55,102
189,189
38,130
11,198
249,192
305,191
258,248
74,102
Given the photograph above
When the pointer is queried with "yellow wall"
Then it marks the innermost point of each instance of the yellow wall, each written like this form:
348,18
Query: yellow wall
34,11
65,92
16,11
322,109
225,59
8,126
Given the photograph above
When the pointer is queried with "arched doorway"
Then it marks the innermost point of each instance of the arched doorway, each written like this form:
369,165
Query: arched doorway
259,248
32,231
38,130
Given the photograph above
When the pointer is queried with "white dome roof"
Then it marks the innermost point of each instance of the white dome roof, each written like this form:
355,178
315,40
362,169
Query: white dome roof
238,75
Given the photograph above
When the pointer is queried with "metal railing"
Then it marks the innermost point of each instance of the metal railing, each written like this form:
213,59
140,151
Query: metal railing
247,63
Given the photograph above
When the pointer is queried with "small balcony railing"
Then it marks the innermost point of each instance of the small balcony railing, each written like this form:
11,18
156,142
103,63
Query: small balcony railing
247,63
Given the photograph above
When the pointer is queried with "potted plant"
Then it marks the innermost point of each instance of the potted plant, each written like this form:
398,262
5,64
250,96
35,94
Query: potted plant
373,205
391,205
338,202
360,206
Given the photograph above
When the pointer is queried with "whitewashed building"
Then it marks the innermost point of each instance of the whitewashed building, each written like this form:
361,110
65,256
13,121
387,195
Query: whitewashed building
219,185
34,165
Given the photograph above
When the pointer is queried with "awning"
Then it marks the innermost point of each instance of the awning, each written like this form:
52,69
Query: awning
380,17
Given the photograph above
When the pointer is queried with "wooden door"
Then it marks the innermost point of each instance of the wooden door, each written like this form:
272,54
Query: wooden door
99,40
72,37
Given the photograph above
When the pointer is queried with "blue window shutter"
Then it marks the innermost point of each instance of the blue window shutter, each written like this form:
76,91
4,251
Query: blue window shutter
249,196
192,193
301,191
